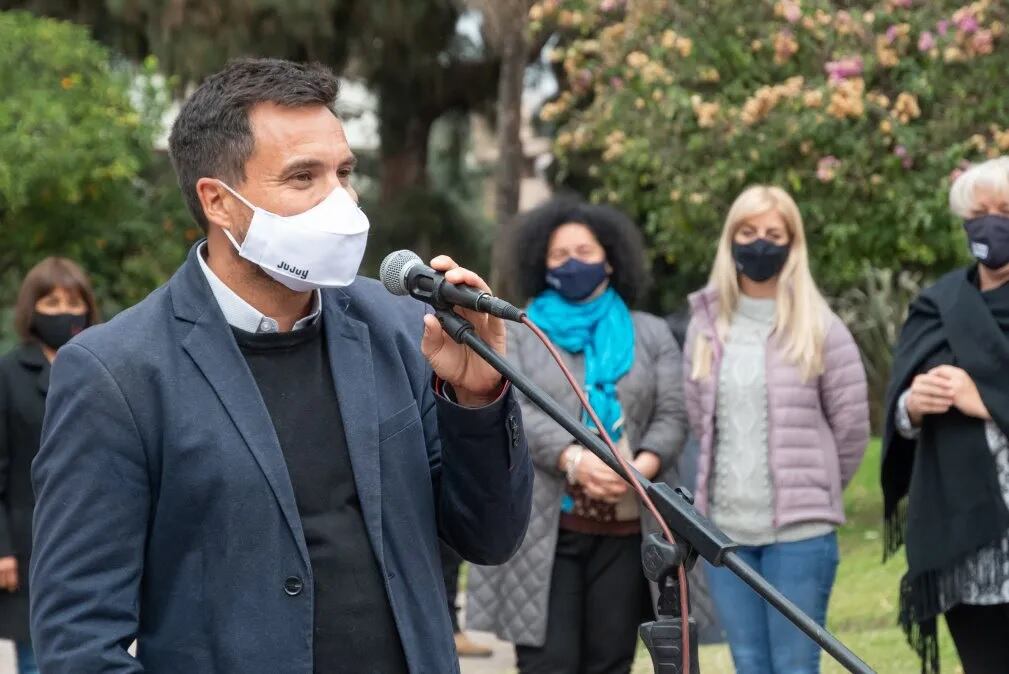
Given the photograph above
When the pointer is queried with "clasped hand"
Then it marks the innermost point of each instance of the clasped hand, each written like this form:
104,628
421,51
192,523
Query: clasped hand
941,389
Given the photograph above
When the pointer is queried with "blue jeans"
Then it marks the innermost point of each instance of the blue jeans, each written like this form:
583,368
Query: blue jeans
761,639
26,658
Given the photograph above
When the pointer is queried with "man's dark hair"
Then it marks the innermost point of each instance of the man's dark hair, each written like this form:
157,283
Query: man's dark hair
619,237
212,138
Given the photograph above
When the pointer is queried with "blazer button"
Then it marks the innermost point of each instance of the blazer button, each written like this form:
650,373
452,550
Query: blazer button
293,586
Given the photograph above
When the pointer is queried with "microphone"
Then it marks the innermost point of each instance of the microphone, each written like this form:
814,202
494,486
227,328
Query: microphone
404,273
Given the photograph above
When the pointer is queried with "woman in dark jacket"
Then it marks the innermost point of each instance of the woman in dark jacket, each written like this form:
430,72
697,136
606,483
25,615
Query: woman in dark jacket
945,453
54,304
573,595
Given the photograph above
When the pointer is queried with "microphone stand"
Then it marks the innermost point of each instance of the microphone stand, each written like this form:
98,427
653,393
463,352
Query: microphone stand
695,534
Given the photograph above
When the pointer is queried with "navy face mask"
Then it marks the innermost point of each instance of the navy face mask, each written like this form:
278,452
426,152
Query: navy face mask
759,260
989,239
576,280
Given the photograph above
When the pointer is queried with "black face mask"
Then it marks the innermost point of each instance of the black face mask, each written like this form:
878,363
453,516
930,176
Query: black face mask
989,239
759,260
55,330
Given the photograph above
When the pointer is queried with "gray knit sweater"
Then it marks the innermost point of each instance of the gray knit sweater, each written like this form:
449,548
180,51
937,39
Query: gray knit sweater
742,502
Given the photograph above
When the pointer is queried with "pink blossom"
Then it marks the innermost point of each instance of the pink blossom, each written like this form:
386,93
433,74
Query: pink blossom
902,4
967,23
844,68
926,41
905,156
943,27
891,34
825,168
616,83
983,41
792,11
610,5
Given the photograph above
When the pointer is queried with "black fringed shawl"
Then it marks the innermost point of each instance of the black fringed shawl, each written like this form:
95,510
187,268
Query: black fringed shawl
941,494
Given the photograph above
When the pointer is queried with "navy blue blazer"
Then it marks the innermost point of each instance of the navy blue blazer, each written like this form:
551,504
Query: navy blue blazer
165,512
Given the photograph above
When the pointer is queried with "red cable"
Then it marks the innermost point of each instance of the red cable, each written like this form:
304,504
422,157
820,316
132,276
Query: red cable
632,478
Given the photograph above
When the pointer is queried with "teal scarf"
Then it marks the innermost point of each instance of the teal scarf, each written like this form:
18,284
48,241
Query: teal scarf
602,329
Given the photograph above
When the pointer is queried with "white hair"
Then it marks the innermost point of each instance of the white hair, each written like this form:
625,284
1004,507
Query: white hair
992,175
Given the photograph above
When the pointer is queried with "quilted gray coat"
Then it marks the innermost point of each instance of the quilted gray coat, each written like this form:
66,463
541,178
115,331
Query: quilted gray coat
511,600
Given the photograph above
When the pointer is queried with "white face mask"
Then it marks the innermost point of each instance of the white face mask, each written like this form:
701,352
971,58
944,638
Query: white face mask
319,248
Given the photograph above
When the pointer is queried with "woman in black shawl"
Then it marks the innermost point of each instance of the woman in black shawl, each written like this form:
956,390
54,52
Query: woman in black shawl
945,471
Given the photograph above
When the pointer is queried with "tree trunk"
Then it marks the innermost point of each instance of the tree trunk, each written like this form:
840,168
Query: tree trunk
404,155
508,174
509,124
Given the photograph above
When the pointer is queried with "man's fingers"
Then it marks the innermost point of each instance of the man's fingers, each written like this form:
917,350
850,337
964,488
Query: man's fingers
434,338
462,276
443,263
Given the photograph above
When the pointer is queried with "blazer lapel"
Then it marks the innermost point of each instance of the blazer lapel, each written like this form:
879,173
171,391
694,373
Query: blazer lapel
354,378
212,347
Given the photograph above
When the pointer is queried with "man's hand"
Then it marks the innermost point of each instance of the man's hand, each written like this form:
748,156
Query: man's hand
9,574
963,391
475,382
930,394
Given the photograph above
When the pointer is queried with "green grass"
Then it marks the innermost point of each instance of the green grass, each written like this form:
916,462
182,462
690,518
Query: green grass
863,606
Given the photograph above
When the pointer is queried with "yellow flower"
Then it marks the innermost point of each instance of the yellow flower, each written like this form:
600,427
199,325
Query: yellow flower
657,95
637,59
639,103
869,18
785,46
564,139
876,180
675,195
808,23
906,107
886,127
685,46
669,39
756,45
1001,139
813,99
846,100
952,55
978,142
706,113
805,147
536,13
697,198
709,74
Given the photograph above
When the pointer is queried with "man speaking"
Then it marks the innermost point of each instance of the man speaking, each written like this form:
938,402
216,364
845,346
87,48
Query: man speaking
249,471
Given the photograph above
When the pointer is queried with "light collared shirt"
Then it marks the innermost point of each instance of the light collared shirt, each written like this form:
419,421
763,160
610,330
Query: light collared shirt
242,315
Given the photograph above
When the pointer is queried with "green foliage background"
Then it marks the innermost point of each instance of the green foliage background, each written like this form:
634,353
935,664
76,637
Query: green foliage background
670,108
79,175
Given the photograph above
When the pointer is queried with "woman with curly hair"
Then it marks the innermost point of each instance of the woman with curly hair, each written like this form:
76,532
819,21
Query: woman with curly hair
573,595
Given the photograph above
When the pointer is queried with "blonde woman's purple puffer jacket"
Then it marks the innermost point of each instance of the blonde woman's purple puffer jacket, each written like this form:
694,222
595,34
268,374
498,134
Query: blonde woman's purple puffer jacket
817,429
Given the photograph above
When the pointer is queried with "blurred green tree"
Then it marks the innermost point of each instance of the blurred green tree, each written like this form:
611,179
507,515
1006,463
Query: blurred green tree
78,173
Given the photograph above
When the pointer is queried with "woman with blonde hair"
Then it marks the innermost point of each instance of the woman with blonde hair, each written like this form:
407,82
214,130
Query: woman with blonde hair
776,394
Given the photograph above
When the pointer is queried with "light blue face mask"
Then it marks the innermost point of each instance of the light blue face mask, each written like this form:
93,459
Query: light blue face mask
318,248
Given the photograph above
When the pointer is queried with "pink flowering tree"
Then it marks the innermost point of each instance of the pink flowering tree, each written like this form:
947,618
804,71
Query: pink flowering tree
668,109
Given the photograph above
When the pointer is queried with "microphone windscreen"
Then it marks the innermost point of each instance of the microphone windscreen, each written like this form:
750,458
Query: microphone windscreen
392,273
